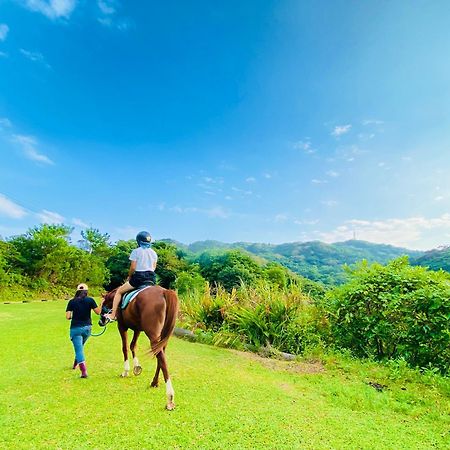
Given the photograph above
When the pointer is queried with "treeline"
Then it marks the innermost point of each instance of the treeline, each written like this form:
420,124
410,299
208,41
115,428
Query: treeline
44,259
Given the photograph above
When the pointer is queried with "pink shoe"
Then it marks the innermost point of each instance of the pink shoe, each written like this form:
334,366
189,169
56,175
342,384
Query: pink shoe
83,369
75,364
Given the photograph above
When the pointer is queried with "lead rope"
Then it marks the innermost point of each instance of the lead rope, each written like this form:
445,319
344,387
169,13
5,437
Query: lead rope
104,328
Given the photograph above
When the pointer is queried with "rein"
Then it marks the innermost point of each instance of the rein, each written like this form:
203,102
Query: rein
99,334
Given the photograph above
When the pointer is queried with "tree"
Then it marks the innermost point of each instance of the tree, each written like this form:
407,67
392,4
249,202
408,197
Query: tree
230,269
171,262
45,256
96,243
118,263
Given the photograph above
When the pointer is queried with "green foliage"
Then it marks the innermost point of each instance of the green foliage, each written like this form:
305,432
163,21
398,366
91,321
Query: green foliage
394,311
44,258
171,262
190,282
258,315
118,263
96,242
230,269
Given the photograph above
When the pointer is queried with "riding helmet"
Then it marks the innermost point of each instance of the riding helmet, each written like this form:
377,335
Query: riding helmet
143,237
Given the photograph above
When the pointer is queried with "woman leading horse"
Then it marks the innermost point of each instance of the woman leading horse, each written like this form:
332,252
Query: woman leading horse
153,311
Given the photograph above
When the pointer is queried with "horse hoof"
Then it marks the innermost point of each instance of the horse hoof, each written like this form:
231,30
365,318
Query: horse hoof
137,370
154,385
123,374
170,406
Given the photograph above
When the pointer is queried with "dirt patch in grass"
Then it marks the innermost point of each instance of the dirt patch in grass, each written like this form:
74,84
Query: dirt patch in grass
307,367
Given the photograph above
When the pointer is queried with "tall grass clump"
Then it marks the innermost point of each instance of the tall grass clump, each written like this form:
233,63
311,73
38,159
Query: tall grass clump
261,315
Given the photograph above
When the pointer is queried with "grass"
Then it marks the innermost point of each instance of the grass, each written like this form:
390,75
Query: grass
225,399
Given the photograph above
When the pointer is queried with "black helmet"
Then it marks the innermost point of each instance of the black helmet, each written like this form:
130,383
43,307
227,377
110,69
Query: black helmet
143,237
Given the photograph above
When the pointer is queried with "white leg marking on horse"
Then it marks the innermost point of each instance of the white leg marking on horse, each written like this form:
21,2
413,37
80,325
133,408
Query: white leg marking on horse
126,368
135,361
169,390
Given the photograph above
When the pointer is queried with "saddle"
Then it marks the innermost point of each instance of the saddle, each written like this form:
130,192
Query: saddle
130,296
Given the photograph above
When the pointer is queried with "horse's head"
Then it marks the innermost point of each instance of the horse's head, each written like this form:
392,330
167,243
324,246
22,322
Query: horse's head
106,307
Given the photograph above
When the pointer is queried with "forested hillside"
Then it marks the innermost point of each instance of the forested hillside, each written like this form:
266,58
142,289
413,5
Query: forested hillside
315,260
434,259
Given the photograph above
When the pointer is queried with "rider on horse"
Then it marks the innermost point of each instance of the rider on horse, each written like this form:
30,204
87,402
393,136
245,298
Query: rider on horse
142,270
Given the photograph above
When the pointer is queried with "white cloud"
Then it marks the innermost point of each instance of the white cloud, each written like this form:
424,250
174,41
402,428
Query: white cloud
105,21
267,176
332,173
214,212
372,122
10,209
5,123
350,153
36,57
28,145
4,29
412,232
306,222
46,216
217,212
339,130
53,9
304,146
250,179
317,181
241,191
108,17
366,136
106,7
32,56
329,202
280,218
79,223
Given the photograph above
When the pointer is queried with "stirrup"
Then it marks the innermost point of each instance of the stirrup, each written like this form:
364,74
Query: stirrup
109,319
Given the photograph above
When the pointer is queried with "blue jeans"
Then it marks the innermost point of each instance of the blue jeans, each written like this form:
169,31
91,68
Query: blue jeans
78,336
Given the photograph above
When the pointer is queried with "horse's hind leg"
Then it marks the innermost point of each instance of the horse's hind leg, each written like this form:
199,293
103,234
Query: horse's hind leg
137,369
155,381
169,388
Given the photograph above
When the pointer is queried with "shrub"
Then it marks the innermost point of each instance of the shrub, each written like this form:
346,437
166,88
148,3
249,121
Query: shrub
394,311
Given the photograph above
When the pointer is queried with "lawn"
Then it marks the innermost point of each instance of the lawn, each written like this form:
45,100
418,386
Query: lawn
225,399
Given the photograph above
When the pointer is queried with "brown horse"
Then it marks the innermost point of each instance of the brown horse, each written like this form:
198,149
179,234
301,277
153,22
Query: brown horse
153,311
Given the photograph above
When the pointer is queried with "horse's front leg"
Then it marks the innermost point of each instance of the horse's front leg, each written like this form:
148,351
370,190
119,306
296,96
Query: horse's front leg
137,369
126,363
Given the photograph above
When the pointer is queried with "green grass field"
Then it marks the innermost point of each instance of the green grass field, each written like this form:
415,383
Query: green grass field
225,399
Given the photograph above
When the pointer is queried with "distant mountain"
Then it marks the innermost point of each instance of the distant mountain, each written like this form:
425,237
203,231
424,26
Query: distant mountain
434,259
314,260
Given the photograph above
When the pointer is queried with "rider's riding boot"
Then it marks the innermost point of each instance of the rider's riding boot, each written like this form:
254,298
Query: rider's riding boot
83,369
75,364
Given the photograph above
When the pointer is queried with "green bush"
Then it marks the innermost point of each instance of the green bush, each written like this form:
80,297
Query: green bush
394,311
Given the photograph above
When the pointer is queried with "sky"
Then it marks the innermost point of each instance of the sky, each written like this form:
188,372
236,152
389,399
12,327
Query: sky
258,121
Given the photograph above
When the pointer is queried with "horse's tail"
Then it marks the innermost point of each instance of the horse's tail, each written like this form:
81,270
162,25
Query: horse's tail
169,321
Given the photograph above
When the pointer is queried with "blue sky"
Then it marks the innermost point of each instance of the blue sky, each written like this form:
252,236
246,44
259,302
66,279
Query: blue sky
271,121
